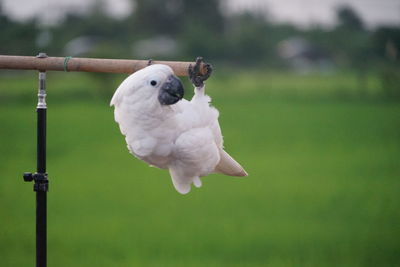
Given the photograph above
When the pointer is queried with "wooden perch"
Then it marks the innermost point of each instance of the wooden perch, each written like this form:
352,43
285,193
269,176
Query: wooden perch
88,64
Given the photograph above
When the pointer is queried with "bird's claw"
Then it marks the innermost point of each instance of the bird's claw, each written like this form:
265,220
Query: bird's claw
195,74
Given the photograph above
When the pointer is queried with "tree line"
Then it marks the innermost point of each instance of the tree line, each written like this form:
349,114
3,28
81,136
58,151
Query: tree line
199,27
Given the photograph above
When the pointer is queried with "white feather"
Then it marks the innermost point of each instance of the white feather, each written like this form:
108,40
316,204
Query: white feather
184,137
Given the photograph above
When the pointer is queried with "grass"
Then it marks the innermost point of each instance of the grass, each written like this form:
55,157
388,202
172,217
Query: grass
323,187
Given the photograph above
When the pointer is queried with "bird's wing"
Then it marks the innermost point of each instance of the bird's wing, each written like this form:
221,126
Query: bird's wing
227,165
195,154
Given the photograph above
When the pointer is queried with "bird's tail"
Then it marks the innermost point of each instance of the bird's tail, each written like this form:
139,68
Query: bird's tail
227,165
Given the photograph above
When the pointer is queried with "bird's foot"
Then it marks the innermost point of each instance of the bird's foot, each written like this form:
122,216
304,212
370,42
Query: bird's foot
198,75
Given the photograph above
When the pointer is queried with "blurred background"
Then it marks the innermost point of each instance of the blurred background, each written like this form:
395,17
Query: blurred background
309,96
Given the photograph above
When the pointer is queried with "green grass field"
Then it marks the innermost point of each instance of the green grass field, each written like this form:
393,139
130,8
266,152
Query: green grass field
323,188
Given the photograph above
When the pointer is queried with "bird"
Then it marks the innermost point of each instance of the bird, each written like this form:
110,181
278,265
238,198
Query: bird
169,132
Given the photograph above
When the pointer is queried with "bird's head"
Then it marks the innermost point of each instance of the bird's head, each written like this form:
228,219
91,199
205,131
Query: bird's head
153,82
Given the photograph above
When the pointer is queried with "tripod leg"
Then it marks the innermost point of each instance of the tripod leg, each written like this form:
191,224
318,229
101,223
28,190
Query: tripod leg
40,177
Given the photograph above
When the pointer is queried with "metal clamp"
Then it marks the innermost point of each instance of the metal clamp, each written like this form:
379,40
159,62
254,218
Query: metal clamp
41,181
42,85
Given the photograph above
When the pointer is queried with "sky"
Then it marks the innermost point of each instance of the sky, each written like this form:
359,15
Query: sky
302,12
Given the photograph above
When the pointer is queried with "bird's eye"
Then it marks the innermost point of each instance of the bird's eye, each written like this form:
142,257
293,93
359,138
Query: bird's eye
153,83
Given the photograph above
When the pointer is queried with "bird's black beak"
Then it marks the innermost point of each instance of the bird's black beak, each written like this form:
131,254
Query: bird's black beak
171,91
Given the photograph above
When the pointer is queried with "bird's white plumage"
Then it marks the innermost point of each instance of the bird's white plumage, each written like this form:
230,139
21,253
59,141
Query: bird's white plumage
184,137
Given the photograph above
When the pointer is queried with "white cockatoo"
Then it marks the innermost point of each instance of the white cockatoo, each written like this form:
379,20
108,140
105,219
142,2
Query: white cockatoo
169,132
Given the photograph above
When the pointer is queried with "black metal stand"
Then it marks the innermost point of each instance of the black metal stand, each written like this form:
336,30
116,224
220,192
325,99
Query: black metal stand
41,184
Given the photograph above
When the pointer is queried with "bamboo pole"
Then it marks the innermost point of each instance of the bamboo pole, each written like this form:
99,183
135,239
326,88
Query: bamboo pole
88,64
